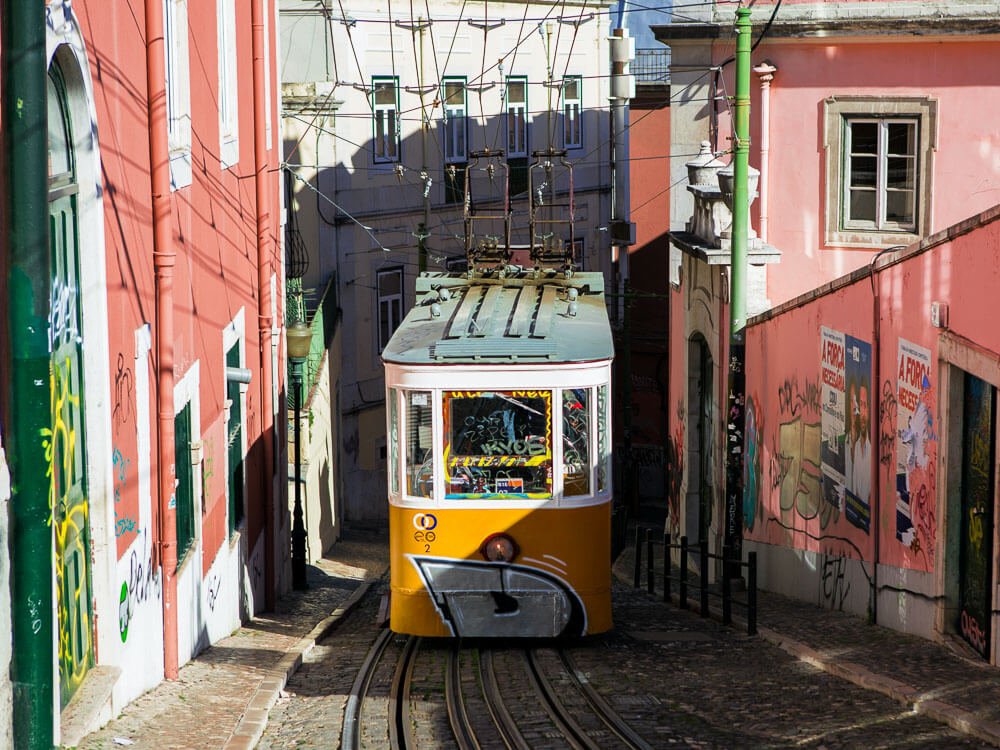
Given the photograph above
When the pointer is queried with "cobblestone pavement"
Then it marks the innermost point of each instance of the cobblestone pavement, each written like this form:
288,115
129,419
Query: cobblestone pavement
679,680
221,697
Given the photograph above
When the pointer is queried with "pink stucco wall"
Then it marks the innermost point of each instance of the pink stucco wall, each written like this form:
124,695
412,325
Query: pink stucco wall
959,74
784,503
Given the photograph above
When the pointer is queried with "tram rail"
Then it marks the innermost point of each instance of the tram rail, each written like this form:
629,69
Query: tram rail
557,690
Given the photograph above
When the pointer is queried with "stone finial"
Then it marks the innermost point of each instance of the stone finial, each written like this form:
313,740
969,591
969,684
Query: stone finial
702,168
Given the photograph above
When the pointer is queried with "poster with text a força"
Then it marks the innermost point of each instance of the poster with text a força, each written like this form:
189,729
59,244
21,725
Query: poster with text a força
832,426
858,464
913,427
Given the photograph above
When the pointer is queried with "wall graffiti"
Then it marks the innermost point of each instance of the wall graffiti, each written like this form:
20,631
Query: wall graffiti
125,523
124,388
836,586
675,471
888,421
63,316
916,451
140,586
752,463
792,399
212,591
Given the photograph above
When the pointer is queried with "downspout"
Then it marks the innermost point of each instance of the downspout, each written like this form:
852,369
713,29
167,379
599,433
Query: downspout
264,316
765,71
164,259
25,209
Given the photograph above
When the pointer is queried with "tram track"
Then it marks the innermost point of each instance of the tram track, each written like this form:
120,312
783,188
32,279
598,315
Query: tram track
509,698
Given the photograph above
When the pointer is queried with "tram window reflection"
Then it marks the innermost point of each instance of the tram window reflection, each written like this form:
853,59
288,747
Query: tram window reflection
603,454
419,444
393,442
576,441
498,444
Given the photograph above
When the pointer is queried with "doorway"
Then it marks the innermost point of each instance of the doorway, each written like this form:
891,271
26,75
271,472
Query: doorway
700,485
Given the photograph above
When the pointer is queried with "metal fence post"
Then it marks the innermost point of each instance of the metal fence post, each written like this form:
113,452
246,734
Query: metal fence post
637,566
703,573
727,590
752,593
666,567
684,573
650,573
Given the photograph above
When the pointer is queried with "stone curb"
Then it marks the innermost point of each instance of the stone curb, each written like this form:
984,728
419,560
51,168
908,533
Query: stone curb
252,723
946,713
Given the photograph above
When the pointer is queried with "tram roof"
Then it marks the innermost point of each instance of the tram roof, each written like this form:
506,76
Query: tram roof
517,318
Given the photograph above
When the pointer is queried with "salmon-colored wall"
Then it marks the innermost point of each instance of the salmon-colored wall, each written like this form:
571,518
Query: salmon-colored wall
783,502
214,227
960,75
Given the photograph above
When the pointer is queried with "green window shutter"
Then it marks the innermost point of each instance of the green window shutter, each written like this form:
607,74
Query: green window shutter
234,443
185,482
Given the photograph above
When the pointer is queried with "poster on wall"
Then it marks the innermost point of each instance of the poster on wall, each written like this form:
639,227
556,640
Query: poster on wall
832,430
913,429
858,463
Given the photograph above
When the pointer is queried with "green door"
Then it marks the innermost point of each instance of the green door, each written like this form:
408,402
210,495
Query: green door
66,440
978,451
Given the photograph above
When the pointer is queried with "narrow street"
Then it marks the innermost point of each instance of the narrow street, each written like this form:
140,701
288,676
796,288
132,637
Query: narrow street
663,678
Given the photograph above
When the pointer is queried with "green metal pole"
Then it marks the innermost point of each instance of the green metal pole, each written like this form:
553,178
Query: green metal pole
25,139
733,535
741,163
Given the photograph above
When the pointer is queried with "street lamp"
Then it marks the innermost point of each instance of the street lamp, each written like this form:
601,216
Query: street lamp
299,338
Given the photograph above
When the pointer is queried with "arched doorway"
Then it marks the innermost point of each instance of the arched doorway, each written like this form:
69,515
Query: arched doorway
66,440
700,407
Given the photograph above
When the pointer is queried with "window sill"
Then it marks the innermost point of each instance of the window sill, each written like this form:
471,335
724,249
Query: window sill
861,239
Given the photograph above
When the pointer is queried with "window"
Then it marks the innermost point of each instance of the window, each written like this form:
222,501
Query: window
385,109
175,30
390,304
879,163
603,450
517,134
576,441
517,125
228,88
234,441
455,125
572,94
185,482
881,173
393,441
498,444
419,444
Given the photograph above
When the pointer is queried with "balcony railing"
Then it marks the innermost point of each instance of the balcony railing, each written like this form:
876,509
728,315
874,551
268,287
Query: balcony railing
651,66
320,312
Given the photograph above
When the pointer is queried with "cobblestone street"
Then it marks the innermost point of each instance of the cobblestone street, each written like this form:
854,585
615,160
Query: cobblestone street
678,680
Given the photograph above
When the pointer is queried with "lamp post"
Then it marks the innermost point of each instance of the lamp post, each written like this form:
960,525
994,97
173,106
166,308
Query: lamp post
298,337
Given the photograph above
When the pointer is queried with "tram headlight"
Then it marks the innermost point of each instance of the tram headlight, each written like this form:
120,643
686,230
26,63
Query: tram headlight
499,548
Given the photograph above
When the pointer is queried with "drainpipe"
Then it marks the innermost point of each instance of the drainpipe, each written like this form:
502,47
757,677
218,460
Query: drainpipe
25,208
164,259
264,316
765,71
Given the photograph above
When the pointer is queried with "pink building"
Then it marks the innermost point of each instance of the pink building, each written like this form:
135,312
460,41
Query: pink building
869,130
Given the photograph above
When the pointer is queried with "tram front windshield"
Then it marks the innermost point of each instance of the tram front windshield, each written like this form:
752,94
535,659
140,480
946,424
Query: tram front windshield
498,444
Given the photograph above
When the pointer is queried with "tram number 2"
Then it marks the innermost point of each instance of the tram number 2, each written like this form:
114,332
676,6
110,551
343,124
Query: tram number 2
424,537
425,523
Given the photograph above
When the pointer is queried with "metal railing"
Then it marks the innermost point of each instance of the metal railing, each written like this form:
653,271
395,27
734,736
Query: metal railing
651,66
644,538
320,312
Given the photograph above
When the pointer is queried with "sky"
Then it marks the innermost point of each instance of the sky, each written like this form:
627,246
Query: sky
638,20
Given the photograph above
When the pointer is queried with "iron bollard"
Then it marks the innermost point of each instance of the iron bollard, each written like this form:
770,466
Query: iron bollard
666,567
638,557
650,574
703,553
684,573
752,593
727,590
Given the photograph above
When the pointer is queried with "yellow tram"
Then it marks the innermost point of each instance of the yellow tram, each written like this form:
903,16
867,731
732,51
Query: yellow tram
499,457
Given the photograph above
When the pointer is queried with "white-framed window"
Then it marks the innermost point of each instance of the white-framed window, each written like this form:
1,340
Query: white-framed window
879,167
178,85
880,171
385,111
572,97
229,132
390,303
517,117
267,76
456,146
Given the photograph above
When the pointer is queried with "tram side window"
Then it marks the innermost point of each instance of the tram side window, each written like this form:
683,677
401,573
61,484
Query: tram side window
393,441
419,444
603,454
498,444
576,441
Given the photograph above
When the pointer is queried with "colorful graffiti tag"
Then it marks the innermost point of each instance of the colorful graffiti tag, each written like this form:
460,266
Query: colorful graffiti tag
752,463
